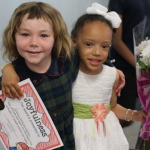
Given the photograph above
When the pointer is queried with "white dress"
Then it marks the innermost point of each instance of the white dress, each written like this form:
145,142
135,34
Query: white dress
91,90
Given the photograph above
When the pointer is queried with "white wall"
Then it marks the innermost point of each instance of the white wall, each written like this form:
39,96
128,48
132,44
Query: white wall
70,10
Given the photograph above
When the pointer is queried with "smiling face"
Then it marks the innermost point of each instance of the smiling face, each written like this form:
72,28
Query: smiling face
35,41
93,43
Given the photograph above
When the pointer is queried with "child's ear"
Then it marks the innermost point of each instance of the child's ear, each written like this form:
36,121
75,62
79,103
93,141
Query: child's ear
73,41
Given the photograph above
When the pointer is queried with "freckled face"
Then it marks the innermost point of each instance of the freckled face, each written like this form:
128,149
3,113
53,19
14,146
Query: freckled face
35,41
93,44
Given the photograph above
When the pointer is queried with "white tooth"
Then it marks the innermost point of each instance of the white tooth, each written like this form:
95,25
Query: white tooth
94,60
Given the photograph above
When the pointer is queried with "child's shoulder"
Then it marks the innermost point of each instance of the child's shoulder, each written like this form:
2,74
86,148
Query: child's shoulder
108,68
109,72
112,75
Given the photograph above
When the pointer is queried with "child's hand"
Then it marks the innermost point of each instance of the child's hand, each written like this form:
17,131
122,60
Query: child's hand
10,83
140,115
121,82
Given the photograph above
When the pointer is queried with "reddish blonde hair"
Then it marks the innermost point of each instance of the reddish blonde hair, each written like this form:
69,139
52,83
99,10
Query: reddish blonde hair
63,45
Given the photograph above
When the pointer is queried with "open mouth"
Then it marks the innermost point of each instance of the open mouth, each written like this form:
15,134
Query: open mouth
94,62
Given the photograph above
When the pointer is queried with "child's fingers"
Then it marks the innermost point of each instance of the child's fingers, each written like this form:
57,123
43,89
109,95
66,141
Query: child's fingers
121,76
118,93
9,92
120,86
13,90
18,90
121,80
3,92
144,114
14,93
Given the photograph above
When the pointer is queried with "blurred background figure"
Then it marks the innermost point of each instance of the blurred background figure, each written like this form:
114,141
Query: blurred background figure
131,12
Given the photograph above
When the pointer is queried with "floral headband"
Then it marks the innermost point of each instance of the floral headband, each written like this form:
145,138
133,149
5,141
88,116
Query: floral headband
112,16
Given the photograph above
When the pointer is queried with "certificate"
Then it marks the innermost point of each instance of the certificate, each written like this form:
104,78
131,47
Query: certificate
25,124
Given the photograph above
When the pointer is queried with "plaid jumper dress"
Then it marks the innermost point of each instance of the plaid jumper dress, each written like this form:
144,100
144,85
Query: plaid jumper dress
55,90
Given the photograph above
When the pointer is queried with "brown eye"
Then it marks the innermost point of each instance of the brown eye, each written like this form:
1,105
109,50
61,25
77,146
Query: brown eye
88,44
106,46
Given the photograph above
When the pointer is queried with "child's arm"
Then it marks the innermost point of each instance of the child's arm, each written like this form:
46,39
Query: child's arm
121,47
121,112
121,82
9,82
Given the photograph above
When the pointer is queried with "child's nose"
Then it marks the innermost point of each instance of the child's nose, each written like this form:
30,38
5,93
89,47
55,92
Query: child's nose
97,50
33,41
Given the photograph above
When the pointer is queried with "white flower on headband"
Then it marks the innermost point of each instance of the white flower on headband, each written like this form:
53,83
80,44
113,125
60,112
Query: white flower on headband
112,16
